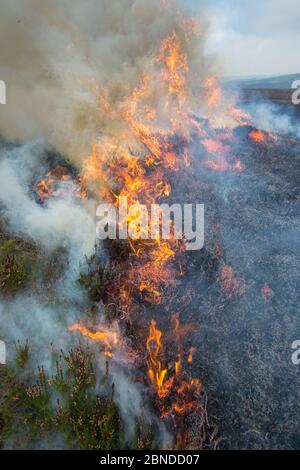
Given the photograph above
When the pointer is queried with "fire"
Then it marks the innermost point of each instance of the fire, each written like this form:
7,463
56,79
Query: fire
214,146
267,292
221,164
177,392
258,136
219,153
146,142
141,181
109,339
213,91
242,118
176,67
51,184
138,163
190,356
156,372
263,137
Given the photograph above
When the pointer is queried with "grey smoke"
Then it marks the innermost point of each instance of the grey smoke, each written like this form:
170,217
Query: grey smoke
52,55
61,222
265,116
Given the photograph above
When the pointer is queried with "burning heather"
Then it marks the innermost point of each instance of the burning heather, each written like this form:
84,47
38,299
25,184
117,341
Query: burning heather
137,333
56,181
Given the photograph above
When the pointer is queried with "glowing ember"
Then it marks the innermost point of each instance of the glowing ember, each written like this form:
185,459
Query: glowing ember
239,166
191,353
222,165
258,136
230,285
214,146
267,292
58,180
213,90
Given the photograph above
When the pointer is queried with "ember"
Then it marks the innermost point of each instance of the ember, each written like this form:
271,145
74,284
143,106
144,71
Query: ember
258,136
58,180
230,285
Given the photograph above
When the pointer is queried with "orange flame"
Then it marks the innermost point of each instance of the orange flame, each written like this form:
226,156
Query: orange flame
157,374
258,136
213,90
135,159
48,186
190,356
107,338
176,67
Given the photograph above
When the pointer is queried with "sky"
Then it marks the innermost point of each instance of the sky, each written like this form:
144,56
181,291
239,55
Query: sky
253,37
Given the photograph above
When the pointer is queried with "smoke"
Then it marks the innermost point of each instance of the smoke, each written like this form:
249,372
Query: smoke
130,398
266,116
65,223
55,58
62,222
56,54
25,318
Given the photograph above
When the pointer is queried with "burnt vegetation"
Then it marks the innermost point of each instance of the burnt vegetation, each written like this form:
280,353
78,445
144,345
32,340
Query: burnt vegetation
225,289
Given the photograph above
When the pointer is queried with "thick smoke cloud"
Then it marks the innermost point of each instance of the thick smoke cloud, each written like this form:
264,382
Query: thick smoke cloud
62,222
54,53
53,58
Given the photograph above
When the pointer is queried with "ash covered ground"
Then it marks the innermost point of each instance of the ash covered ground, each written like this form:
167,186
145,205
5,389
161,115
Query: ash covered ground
242,290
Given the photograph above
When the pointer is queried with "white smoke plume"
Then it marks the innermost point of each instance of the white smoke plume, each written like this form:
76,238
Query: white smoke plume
54,56
62,222
55,52
266,116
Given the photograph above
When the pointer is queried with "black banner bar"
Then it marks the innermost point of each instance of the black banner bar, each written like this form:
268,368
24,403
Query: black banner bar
134,459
